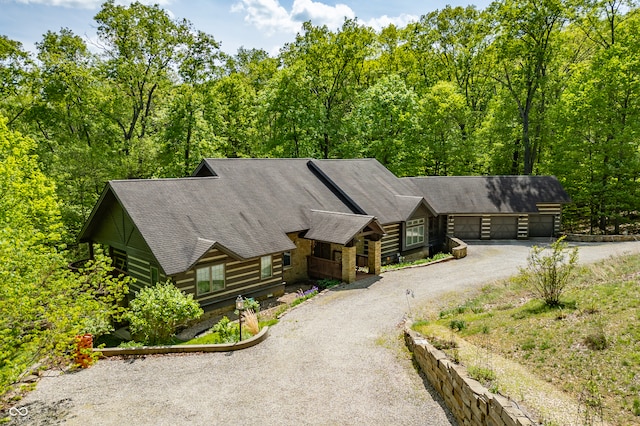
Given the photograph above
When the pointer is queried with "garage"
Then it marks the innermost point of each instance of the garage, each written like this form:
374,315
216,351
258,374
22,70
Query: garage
467,227
504,227
541,225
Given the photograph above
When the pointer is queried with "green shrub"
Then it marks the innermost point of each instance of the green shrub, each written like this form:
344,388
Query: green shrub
328,283
157,312
549,274
227,331
457,325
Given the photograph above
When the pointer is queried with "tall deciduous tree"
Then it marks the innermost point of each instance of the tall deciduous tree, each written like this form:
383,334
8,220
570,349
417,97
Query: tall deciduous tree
43,304
332,64
142,48
524,47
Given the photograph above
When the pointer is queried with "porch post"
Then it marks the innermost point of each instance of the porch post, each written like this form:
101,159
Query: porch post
348,264
374,257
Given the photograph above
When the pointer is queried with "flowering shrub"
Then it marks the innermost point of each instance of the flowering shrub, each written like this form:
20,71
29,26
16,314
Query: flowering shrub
304,295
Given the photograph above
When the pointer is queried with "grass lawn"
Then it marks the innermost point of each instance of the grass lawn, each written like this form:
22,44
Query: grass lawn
589,347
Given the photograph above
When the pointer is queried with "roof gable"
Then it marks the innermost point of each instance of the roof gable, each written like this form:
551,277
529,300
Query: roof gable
339,228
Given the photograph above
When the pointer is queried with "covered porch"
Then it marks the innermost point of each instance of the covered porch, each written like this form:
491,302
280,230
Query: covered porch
336,238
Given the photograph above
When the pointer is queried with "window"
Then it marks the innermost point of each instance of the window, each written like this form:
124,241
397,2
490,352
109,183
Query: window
286,259
266,267
154,275
415,232
210,279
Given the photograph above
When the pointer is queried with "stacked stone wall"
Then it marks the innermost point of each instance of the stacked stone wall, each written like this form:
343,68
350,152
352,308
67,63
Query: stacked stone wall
469,401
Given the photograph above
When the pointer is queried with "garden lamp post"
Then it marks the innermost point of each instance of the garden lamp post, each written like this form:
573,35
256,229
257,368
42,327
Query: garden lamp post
240,308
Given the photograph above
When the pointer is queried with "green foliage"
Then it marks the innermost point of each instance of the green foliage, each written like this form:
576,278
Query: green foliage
457,325
158,311
549,274
226,331
43,303
250,303
328,283
553,342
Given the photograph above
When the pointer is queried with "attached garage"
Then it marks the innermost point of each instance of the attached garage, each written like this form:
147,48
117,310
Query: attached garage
467,227
541,225
504,227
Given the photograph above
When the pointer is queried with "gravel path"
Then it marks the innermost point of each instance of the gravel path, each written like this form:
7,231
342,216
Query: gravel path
335,360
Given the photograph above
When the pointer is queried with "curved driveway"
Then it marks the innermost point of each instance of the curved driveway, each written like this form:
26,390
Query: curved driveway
335,360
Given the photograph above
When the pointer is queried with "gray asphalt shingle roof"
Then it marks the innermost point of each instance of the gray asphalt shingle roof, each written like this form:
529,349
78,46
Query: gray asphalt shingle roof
488,194
181,219
372,187
338,228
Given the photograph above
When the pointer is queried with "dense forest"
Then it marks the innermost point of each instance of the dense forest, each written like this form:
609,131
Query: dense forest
522,87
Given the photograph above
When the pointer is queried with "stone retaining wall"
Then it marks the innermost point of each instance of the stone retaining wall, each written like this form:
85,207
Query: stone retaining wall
582,238
469,401
457,247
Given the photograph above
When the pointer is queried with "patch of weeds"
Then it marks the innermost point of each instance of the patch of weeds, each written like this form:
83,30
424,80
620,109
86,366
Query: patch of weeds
420,323
484,375
596,341
528,345
442,344
636,407
457,325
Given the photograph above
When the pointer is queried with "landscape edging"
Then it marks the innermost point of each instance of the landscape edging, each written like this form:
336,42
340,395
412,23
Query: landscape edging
151,350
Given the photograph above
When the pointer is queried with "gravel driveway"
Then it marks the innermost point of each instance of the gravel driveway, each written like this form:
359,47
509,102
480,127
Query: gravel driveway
335,360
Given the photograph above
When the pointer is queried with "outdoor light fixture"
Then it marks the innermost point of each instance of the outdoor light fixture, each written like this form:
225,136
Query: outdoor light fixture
240,308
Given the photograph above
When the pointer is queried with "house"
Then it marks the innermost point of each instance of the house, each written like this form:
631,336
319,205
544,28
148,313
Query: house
495,207
248,226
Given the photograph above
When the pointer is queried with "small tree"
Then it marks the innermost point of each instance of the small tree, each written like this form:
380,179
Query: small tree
157,312
549,272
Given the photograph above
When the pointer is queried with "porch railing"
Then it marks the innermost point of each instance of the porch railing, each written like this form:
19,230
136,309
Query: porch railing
324,268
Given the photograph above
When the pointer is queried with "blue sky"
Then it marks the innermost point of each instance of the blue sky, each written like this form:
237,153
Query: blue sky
266,24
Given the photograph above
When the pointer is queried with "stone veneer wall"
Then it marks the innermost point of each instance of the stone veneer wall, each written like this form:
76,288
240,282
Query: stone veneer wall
469,401
457,247
298,269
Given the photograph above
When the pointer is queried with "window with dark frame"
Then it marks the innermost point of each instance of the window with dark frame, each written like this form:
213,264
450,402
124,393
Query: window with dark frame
210,279
414,233
286,259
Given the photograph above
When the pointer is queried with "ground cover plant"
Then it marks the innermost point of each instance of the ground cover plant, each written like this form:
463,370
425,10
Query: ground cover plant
587,345
434,258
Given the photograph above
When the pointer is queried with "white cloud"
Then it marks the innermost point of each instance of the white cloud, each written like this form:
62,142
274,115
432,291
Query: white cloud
270,16
384,21
266,15
88,4
320,13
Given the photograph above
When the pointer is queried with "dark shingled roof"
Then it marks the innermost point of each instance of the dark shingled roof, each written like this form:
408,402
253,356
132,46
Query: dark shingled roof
182,219
371,187
338,228
245,210
489,194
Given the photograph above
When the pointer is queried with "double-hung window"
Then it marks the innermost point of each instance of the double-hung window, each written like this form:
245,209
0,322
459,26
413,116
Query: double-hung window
210,279
414,232
266,267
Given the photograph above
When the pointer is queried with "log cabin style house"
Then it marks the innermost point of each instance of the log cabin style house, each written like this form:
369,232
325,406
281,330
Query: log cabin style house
248,226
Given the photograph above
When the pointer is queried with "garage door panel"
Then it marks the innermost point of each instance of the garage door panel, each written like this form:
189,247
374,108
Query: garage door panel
467,227
541,225
504,227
